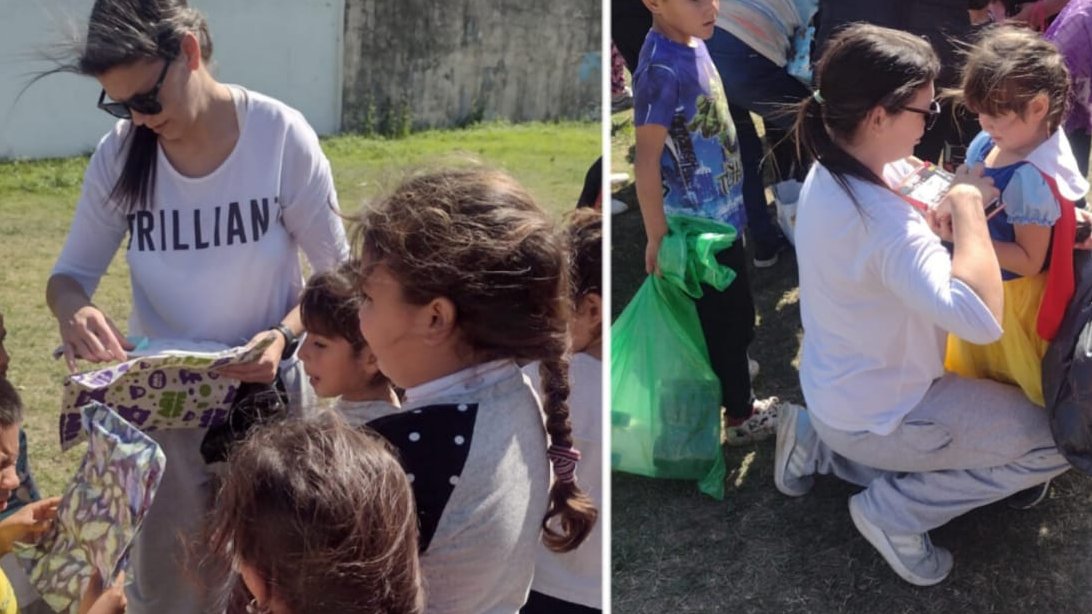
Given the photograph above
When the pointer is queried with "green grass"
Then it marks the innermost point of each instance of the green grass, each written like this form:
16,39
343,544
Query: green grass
675,550
37,200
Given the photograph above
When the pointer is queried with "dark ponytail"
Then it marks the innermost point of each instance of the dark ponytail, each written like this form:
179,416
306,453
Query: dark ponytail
862,67
120,32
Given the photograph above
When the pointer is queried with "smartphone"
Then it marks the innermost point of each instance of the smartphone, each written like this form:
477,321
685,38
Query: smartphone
994,208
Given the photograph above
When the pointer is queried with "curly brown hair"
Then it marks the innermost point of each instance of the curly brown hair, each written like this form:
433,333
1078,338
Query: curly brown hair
324,513
1006,68
584,232
477,238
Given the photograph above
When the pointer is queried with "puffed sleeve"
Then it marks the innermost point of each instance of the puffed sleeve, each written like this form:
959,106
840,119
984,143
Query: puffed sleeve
1029,200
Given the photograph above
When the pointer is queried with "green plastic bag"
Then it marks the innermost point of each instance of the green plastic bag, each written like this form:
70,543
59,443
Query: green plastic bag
665,414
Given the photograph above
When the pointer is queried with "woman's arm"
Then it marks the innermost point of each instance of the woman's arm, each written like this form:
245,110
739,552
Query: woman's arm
974,261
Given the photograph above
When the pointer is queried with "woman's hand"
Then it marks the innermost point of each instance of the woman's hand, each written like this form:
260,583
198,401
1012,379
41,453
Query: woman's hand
263,370
961,196
98,601
88,334
940,221
28,523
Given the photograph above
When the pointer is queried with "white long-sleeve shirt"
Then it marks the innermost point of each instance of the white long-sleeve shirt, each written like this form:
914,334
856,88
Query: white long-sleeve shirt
216,258
877,298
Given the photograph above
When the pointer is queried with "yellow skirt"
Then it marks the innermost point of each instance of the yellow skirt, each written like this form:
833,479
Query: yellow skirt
1016,358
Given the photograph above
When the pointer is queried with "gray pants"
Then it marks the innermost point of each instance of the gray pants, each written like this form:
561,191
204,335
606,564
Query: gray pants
969,443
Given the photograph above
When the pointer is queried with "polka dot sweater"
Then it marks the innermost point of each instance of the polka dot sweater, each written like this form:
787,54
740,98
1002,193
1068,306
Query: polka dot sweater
474,448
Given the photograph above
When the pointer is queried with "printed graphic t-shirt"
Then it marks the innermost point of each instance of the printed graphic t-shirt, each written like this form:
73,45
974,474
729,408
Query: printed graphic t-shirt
215,258
677,86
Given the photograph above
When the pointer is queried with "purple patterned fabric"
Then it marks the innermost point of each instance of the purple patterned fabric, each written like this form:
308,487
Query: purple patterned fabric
101,510
1071,32
163,391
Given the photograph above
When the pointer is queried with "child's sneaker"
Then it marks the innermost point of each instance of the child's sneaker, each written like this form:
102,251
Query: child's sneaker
761,425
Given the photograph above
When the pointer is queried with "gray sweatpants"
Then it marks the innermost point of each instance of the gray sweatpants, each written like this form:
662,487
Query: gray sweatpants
969,443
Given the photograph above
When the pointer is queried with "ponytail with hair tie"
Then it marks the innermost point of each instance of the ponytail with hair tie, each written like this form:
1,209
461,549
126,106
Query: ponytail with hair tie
564,460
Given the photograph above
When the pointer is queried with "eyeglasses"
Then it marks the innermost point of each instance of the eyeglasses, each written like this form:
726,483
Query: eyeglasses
931,114
145,104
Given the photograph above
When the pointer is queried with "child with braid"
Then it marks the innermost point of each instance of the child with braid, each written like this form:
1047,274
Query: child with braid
571,582
462,275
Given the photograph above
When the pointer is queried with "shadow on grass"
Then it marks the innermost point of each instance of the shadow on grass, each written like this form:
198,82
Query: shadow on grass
675,550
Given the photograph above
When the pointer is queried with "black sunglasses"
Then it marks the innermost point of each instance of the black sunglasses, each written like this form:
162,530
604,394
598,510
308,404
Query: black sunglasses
145,104
931,114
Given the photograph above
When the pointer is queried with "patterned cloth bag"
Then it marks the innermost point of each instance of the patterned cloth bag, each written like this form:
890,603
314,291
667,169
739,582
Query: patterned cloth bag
100,512
160,391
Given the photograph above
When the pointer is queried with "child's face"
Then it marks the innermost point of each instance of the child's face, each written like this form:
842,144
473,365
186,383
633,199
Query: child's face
4,357
9,453
396,331
586,328
1015,132
334,368
684,19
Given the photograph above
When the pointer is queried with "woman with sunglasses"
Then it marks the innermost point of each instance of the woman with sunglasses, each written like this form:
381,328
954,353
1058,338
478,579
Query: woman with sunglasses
878,293
218,189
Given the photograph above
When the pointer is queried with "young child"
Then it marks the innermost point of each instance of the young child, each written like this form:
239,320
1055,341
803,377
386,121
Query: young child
1017,83
317,516
688,163
463,275
27,491
335,357
571,582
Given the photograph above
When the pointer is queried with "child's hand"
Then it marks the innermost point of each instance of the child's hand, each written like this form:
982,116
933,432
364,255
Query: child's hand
652,254
90,335
28,523
97,601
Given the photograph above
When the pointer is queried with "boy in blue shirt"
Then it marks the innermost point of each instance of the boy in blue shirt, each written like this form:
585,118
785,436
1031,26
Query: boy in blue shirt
687,163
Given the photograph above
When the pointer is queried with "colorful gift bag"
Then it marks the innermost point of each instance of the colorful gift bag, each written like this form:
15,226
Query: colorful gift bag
167,390
100,512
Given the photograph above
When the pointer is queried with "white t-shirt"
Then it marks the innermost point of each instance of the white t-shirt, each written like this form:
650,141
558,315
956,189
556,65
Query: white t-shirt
877,298
359,413
577,576
216,258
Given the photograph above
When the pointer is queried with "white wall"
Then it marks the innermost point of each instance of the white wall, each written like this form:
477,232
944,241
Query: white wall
288,49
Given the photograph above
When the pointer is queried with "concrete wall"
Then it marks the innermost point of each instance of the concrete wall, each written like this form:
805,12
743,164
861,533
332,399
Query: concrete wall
288,49
455,61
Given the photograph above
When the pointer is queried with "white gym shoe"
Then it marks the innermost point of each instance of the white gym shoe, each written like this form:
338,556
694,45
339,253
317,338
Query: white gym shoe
913,557
790,470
